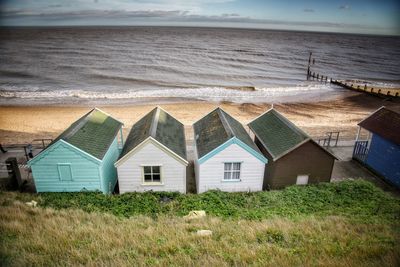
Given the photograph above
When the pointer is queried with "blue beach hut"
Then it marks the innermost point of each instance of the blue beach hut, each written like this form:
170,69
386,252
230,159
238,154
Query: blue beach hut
80,158
381,150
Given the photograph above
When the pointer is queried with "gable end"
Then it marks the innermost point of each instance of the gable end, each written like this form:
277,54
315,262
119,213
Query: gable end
56,145
231,141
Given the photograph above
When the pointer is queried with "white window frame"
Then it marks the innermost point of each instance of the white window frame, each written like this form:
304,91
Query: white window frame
231,171
144,182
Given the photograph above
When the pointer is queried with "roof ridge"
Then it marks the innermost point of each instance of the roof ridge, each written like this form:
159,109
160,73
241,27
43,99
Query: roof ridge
290,124
107,114
225,123
259,116
154,123
80,123
166,112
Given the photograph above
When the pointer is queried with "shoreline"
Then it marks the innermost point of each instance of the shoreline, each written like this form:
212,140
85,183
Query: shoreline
312,92
22,124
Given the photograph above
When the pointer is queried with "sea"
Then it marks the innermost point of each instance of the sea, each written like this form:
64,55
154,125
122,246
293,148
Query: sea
134,65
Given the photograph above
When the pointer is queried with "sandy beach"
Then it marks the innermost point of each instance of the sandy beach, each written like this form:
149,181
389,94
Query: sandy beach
23,124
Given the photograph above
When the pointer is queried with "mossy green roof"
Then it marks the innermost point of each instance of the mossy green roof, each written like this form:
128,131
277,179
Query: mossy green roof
93,133
161,126
277,133
215,129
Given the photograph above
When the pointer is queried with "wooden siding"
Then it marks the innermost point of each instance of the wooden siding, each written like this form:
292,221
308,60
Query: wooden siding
196,166
130,171
210,174
384,158
307,159
85,172
108,171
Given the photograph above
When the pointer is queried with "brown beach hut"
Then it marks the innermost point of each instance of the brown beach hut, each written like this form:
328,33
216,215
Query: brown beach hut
293,157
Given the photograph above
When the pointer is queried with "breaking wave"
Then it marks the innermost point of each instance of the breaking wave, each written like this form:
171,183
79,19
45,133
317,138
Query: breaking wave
239,94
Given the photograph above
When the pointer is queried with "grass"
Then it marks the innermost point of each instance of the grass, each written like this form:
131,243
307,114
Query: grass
351,223
357,198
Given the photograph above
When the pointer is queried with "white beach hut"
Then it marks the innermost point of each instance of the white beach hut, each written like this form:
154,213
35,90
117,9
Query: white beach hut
225,156
154,155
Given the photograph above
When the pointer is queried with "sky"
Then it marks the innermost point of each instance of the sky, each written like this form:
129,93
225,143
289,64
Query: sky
347,16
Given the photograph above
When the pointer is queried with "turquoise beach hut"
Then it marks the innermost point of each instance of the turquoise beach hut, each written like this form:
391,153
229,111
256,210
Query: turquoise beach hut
82,157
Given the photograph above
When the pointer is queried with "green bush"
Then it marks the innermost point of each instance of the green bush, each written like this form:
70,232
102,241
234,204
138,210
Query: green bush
354,199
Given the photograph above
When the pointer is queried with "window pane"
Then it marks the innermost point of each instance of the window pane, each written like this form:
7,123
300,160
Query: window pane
147,169
147,177
156,169
236,175
228,166
236,166
227,176
156,178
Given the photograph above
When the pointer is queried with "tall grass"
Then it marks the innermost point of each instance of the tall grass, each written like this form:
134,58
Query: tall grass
48,237
344,224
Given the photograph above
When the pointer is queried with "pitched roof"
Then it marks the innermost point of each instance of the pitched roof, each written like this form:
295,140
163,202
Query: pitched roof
161,126
93,133
215,129
384,122
278,135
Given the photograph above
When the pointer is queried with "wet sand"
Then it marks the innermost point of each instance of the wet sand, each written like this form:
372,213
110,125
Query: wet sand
23,124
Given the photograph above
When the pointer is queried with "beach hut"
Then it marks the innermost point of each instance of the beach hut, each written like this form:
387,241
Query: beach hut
81,158
154,155
225,156
380,151
294,158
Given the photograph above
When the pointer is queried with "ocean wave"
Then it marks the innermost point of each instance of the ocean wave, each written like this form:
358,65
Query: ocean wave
16,74
234,94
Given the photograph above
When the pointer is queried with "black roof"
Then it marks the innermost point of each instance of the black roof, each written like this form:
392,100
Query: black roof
161,126
216,128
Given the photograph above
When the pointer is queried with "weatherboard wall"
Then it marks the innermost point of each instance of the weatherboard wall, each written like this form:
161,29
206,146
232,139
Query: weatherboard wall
210,174
384,158
84,171
308,159
130,171
196,166
108,170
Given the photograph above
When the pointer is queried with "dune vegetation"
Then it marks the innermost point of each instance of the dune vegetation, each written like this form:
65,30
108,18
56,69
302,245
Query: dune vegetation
351,223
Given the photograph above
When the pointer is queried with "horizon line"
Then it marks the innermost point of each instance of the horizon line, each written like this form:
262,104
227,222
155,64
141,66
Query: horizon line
199,26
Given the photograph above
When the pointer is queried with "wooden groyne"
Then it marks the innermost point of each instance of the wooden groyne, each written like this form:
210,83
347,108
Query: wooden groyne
355,86
391,92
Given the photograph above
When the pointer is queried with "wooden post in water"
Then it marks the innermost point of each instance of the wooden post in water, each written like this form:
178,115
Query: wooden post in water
308,69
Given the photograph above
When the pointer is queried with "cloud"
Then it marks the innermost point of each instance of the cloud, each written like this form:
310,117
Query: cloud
93,14
163,17
308,10
230,15
57,5
344,7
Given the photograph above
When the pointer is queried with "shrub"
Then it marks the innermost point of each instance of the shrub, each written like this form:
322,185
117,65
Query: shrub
350,198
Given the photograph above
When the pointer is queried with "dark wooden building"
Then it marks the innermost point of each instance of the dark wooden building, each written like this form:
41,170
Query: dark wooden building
381,150
293,157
